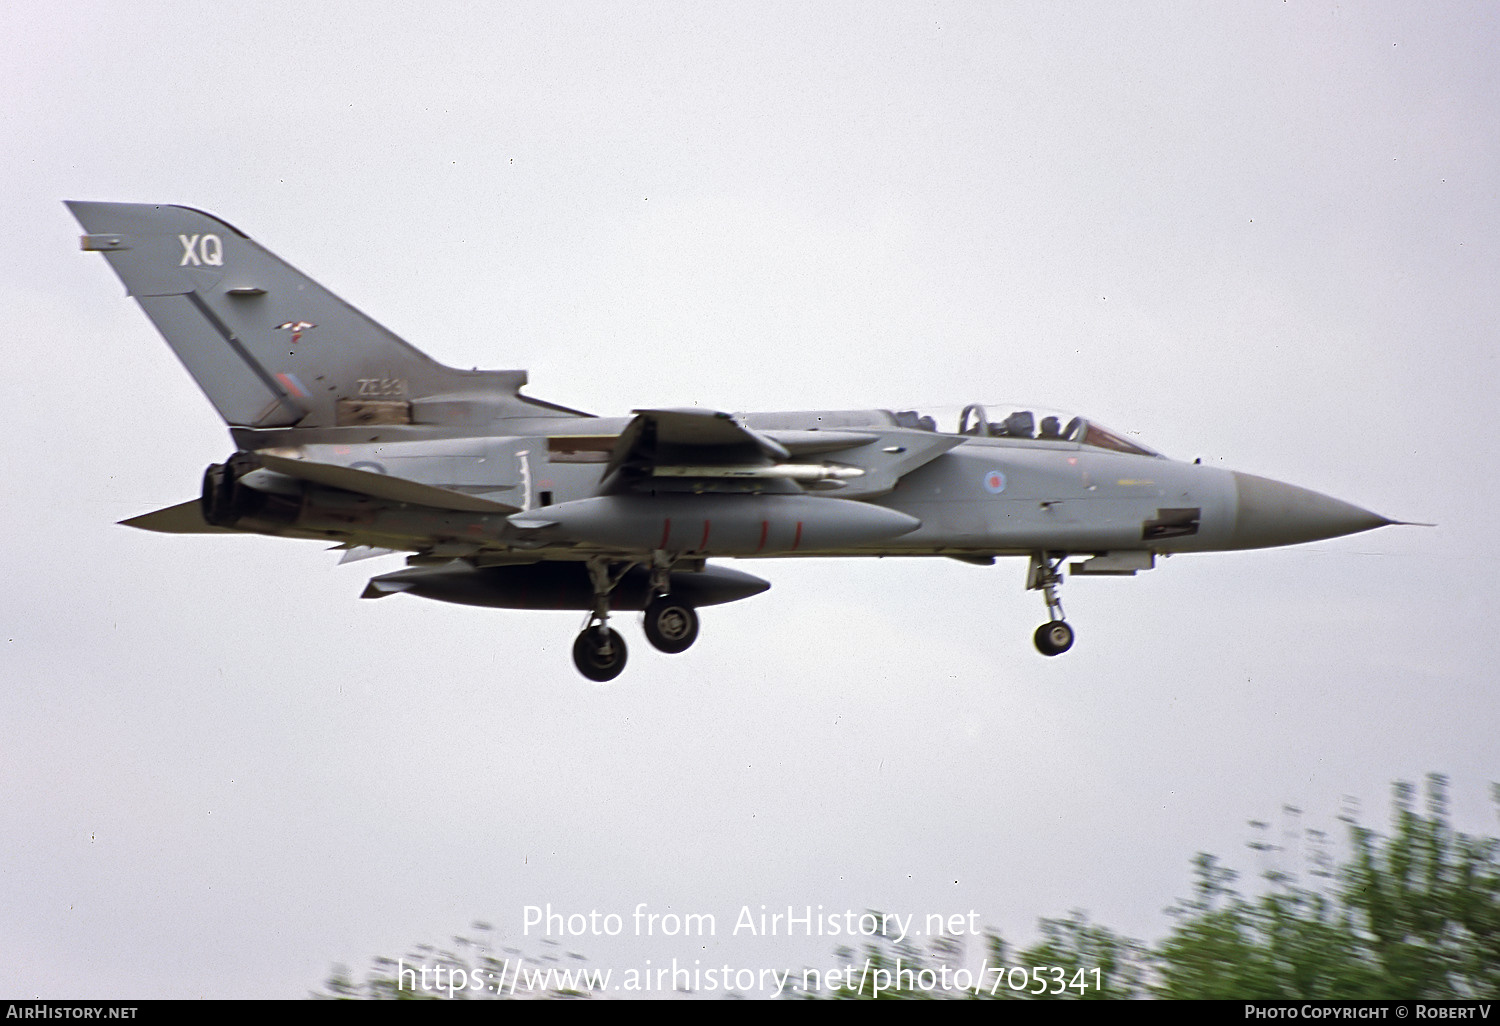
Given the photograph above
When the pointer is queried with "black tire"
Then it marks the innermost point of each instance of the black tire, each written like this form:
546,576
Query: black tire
599,654
671,626
1053,638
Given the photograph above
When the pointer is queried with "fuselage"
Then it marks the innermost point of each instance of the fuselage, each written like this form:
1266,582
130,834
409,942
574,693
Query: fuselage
347,433
979,495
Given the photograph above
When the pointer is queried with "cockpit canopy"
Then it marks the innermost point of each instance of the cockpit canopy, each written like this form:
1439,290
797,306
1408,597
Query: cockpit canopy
1014,421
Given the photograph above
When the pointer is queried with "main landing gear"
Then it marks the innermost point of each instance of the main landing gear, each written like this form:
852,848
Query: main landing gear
671,624
599,653
1045,575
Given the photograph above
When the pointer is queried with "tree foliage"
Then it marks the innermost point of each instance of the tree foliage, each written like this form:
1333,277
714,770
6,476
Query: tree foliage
1412,914
1415,914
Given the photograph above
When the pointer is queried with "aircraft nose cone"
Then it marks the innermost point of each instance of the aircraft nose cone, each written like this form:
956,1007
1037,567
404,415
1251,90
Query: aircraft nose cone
1271,513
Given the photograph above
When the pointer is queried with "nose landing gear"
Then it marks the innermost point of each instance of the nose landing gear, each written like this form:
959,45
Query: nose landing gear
1053,638
1045,575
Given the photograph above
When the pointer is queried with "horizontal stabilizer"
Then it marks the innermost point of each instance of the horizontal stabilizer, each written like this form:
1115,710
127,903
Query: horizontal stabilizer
183,518
382,486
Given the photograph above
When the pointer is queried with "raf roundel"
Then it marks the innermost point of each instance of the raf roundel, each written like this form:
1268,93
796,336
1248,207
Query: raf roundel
994,482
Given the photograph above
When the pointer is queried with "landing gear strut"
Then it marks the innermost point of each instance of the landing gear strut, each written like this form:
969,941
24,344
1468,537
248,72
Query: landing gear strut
1045,575
599,653
671,625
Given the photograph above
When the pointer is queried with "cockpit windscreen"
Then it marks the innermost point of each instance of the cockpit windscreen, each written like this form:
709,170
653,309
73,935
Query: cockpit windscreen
1023,423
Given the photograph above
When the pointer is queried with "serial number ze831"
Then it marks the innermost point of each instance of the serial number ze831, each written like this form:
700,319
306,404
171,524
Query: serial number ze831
382,386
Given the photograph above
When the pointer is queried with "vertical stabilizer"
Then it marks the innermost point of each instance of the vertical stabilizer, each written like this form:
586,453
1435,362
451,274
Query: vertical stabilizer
270,347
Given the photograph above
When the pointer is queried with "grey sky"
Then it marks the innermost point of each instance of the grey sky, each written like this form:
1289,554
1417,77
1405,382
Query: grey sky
1264,234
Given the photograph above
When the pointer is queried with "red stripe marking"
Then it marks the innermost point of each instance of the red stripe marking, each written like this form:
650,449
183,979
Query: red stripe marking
798,539
703,542
291,386
765,527
666,531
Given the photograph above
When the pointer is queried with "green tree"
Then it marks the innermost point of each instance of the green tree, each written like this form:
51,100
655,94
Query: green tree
1095,962
1414,915
1291,943
1428,901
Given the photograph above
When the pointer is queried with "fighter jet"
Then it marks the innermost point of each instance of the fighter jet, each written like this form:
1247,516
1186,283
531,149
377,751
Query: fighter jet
346,433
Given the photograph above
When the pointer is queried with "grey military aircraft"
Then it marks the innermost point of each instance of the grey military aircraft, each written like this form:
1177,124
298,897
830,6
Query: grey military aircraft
346,433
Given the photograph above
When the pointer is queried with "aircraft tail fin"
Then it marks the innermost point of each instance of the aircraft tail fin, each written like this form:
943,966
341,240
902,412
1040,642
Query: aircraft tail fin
270,347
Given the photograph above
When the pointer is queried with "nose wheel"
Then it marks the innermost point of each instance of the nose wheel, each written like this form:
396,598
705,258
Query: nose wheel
1053,638
1045,575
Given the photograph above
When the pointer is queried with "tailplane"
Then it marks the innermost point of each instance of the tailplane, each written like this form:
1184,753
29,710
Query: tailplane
270,347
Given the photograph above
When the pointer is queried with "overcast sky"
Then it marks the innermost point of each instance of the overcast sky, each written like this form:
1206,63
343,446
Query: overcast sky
1266,234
